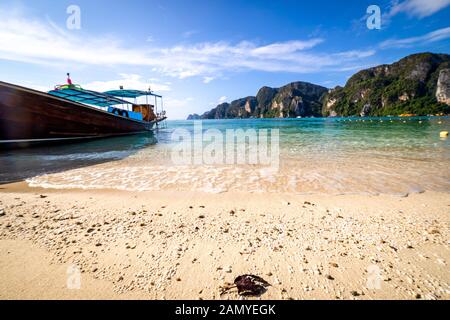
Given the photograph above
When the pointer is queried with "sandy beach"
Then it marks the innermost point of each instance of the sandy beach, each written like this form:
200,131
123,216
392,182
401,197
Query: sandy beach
225,151
172,245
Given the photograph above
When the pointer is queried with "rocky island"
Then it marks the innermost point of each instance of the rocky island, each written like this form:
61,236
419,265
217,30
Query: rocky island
417,84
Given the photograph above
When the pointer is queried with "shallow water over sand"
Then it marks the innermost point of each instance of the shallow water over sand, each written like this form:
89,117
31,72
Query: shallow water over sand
333,156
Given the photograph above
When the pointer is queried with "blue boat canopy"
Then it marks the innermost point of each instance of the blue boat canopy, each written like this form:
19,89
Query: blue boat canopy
76,94
130,93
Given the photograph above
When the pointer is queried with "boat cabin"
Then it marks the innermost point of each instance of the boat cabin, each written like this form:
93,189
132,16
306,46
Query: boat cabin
115,101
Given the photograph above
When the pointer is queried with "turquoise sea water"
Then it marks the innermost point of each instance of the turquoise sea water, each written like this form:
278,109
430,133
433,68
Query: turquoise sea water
387,136
370,155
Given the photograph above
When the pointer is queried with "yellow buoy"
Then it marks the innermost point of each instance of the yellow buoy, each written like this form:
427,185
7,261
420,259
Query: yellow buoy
444,134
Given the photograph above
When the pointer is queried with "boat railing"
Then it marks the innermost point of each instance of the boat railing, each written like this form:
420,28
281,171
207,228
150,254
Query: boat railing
68,86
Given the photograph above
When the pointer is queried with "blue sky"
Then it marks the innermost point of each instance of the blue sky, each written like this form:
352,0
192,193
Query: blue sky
199,53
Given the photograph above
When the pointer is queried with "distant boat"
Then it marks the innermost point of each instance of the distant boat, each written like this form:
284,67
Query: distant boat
70,113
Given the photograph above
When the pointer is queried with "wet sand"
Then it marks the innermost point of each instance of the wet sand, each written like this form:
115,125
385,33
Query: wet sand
172,245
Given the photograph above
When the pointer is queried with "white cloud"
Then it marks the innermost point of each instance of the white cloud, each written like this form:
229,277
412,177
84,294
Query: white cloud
437,35
189,33
327,82
178,103
208,79
222,99
356,54
128,81
275,49
418,8
32,41
38,87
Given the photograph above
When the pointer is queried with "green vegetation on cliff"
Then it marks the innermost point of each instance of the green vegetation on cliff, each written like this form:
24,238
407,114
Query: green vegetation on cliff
405,87
418,84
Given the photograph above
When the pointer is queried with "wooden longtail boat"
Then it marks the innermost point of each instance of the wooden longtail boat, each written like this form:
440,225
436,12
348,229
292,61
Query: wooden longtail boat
71,113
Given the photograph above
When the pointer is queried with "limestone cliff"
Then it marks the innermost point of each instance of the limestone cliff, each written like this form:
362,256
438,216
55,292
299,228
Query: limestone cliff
417,84
298,99
443,87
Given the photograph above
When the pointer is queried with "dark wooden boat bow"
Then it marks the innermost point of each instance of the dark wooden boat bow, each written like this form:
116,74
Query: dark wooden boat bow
70,113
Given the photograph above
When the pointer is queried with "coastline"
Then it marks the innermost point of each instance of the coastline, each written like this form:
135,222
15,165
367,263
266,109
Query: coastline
215,159
171,245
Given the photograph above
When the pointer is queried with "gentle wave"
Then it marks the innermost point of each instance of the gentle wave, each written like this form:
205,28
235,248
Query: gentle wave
316,156
87,156
363,176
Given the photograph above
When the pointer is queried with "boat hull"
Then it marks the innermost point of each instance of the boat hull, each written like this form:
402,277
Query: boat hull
28,116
